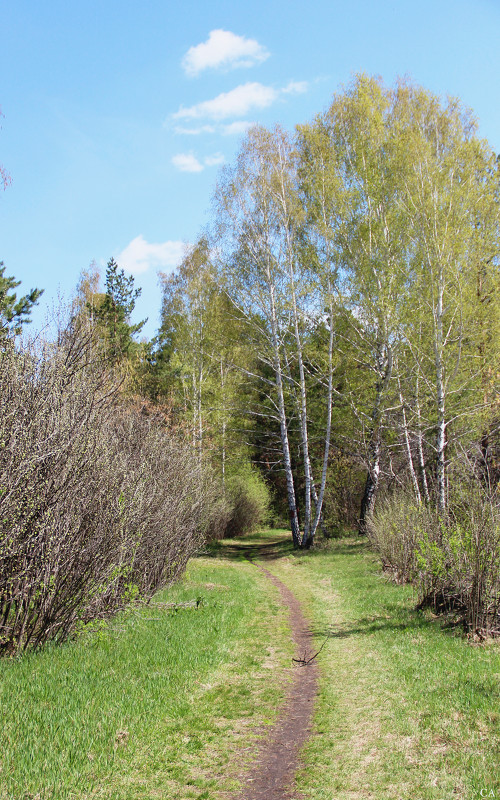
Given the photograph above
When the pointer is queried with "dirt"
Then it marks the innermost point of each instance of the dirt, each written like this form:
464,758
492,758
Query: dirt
278,758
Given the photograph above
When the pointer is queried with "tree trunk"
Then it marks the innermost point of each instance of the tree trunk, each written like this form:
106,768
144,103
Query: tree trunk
440,402
411,467
371,486
287,461
384,369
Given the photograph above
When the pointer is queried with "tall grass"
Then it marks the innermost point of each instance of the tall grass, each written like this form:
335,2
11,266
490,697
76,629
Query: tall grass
158,702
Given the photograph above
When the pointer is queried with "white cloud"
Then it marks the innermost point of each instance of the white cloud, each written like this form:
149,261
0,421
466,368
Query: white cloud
236,128
187,162
223,49
213,161
236,103
239,101
296,87
140,255
196,131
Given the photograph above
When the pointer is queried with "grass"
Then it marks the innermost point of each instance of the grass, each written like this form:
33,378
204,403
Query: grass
156,703
406,709
168,704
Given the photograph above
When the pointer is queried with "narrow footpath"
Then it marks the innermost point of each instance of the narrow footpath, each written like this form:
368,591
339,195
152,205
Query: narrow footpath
273,772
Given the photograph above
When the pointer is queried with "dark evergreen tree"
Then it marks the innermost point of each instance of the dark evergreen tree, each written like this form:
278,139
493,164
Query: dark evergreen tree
115,310
14,313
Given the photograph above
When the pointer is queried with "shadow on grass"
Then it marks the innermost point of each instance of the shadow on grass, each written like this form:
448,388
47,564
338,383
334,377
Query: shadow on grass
370,625
261,547
267,551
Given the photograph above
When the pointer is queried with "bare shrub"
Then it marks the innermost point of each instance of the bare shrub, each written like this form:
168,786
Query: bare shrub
454,559
395,529
459,560
97,503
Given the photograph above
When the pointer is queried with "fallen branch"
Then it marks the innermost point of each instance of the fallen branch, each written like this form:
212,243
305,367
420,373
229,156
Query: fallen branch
304,662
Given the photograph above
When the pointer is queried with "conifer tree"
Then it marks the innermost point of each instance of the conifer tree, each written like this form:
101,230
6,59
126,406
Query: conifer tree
115,310
14,313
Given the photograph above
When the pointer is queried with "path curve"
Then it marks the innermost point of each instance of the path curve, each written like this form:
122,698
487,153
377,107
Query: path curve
273,772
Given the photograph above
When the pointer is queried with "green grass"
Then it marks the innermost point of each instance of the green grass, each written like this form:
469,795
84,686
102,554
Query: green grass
154,704
169,704
406,709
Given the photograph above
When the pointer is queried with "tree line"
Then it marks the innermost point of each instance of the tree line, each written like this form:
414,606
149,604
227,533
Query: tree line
340,318
328,348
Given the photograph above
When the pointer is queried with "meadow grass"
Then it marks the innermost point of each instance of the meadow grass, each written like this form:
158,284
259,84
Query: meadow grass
169,703
155,703
407,710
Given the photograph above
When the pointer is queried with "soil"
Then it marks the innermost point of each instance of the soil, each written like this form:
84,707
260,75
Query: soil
278,758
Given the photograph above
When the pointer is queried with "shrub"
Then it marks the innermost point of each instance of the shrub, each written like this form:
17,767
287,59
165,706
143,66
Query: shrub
394,530
98,502
249,500
454,560
459,561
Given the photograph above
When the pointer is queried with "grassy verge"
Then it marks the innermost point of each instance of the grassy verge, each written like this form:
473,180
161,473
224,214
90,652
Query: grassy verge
155,704
407,711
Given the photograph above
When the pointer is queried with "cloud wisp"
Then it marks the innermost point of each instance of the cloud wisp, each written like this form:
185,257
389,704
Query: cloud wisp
139,256
188,162
239,101
223,50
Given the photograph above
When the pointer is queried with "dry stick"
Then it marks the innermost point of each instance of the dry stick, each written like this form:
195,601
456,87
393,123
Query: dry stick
305,661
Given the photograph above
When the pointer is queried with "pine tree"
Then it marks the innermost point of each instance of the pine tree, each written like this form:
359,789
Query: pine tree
115,310
14,313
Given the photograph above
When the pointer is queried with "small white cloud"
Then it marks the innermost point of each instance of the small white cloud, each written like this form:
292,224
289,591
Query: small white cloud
213,161
236,128
296,87
196,131
140,255
236,103
225,50
187,162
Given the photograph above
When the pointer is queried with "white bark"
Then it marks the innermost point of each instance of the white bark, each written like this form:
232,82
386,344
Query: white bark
409,456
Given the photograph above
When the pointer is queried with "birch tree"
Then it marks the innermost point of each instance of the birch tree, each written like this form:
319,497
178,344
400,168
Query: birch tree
449,198
255,251
368,234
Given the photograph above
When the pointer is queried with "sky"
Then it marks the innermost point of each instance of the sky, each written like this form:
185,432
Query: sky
117,115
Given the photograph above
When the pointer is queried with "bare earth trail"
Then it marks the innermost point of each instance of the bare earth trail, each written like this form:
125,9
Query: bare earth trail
278,758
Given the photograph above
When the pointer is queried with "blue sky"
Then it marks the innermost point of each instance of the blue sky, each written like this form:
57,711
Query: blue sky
118,114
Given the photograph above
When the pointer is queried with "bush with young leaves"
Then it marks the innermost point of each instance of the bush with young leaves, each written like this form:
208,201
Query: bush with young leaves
453,559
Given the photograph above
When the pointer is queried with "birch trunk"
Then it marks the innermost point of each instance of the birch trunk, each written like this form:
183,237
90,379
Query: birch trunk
440,398
411,467
420,446
384,368
319,500
287,461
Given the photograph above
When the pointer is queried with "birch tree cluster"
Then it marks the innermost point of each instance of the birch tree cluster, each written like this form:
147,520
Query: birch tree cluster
355,266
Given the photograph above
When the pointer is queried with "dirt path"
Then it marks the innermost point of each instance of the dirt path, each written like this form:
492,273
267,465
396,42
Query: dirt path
273,773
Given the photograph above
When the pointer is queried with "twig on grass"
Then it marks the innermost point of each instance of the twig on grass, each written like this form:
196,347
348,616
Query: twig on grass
304,662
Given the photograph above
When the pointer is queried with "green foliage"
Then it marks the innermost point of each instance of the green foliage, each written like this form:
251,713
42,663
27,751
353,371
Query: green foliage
114,311
249,499
14,312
